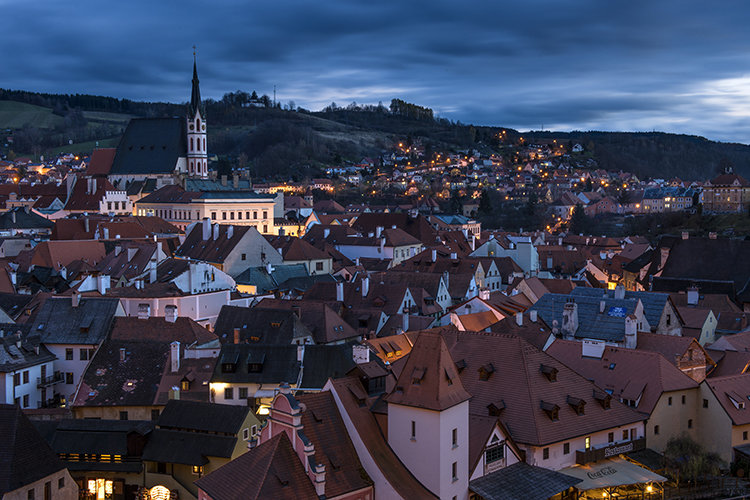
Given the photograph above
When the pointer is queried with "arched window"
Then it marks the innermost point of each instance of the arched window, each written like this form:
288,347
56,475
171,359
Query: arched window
204,144
197,124
191,144
191,167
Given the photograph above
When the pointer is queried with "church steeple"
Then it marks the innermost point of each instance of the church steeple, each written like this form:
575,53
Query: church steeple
195,97
197,155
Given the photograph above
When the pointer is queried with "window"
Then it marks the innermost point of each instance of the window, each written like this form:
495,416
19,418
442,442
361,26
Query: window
245,433
213,215
566,448
247,215
318,266
154,414
632,434
253,430
454,470
494,454
705,403
744,435
265,228
243,392
30,494
683,399
48,490
123,415
25,400
669,319
656,430
197,470
413,429
239,215
223,216
231,215
545,454
16,379
69,354
26,377
229,393
587,442
625,435
669,401
611,437
83,354
184,385
690,423
243,256
68,377
61,483
255,215
454,437
265,214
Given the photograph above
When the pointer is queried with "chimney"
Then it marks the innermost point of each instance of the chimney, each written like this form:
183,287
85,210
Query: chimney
175,356
473,242
559,240
360,354
13,216
122,354
236,335
216,232
378,231
75,299
484,294
570,320
685,235
131,253
269,268
434,254
301,353
170,313
152,271
236,181
223,180
281,252
519,318
103,283
230,232
365,286
620,292
405,320
382,245
692,296
533,315
206,228
712,235
85,224
602,305
144,311
326,232
340,291
631,334
319,473
105,231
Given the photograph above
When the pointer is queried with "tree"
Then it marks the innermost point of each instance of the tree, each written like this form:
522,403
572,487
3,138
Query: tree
688,460
485,204
579,221
456,204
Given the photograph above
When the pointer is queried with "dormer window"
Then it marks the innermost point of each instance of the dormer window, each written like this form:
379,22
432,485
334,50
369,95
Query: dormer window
185,385
552,410
495,408
577,404
460,365
275,324
549,371
417,375
603,398
486,371
255,362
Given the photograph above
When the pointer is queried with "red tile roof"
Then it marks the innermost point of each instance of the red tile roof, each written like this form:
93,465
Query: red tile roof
731,391
101,161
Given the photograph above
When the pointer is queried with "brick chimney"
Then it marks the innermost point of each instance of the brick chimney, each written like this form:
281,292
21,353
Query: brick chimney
206,228
570,320
144,311
170,313
340,291
175,356
236,338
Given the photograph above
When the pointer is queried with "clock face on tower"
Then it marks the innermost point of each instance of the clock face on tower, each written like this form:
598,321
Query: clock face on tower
192,127
203,127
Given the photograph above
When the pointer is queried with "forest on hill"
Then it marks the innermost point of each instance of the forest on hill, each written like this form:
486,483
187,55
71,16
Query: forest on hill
285,140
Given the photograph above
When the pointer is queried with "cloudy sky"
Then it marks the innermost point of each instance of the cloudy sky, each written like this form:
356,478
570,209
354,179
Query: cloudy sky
675,66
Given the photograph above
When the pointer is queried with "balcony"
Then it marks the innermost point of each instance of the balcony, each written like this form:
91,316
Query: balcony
609,450
48,381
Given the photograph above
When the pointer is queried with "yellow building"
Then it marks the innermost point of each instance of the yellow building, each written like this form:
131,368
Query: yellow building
726,193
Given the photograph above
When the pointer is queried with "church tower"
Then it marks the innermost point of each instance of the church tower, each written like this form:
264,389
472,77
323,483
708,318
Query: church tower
197,156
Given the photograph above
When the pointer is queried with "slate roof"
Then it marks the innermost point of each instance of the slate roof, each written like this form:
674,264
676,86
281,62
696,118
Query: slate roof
522,481
170,194
279,364
653,302
322,362
24,220
609,326
320,318
258,325
58,322
189,448
150,146
13,357
203,417
25,457
14,304
270,470
259,277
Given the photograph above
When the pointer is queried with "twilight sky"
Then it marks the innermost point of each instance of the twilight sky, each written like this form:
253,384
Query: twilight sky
677,66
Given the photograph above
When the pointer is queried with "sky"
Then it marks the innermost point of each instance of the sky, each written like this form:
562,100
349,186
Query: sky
673,66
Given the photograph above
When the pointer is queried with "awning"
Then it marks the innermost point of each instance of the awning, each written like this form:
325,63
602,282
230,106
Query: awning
609,473
521,481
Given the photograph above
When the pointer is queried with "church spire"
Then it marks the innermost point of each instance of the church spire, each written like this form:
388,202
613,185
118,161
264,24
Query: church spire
195,97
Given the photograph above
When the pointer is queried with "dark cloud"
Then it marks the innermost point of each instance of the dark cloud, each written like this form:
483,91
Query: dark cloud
678,66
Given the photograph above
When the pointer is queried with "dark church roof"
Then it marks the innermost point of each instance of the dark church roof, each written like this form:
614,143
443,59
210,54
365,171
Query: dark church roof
195,96
150,146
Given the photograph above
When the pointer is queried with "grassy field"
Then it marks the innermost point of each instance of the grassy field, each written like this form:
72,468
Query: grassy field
104,117
18,115
83,147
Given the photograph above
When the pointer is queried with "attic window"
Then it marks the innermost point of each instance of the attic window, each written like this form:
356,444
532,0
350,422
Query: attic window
552,410
577,404
495,408
549,371
417,375
86,325
486,371
275,324
603,398
228,367
460,365
449,377
612,366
